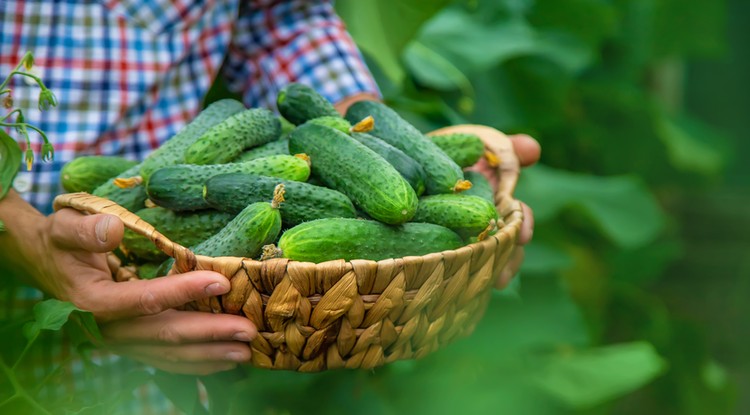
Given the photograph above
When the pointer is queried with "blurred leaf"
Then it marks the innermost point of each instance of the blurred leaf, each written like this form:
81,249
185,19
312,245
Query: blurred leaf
689,28
693,146
385,42
589,20
586,378
182,390
541,258
49,314
10,159
433,70
622,206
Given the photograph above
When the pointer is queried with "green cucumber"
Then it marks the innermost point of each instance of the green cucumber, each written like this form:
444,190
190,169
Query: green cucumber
344,164
180,187
256,225
407,166
443,174
84,174
480,186
468,216
303,201
273,148
228,139
341,238
186,229
336,122
173,150
465,149
131,199
299,103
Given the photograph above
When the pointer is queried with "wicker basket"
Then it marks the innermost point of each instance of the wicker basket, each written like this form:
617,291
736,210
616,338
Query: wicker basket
355,314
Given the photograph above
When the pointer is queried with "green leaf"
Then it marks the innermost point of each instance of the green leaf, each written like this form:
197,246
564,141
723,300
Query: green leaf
621,206
49,314
383,28
10,159
582,379
433,70
182,390
541,258
693,146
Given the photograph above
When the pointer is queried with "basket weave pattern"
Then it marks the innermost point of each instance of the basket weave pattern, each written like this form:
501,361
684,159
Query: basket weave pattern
350,314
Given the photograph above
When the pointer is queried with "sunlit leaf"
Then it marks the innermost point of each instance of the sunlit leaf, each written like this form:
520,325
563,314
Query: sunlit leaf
382,28
50,314
585,378
693,146
10,159
622,206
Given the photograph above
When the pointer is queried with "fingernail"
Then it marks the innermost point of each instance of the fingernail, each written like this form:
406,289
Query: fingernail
236,356
101,229
215,289
241,336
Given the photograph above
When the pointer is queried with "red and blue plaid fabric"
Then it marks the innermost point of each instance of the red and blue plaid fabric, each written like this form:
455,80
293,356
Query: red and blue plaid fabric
128,74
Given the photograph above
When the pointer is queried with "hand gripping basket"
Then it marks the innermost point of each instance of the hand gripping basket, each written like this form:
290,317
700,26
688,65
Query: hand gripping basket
355,314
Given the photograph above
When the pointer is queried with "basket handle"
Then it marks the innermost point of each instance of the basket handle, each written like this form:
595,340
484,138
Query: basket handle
184,258
498,143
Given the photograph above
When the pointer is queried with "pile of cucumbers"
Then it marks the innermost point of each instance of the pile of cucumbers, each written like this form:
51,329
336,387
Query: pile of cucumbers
308,185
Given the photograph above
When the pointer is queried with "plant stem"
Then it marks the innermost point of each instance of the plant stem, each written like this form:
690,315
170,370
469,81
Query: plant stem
10,113
14,124
25,350
7,79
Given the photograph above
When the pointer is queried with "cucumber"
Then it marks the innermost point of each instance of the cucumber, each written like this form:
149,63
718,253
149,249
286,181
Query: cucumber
180,187
173,150
464,149
84,174
256,225
299,103
186,229
443,174
303,201
480,186
405,165
336,122
343,164
468,216
273,148
341,238
131,199
226,140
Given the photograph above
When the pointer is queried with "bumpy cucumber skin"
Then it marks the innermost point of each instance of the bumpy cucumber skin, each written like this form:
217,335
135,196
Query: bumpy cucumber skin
84,174
340,238
468,216
344,164
336,122
173,150
131,199
273,148
257,225
480,186
442,172
180,187
186,229
464,149
407,166
227,140
299,103
303,201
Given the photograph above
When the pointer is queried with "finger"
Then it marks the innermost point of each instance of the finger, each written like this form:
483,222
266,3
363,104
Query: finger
527,227
110,300
179,327
219,352
527,149
511,268
199,369
71,229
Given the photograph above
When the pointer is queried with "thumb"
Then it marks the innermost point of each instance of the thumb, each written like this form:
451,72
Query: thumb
73,230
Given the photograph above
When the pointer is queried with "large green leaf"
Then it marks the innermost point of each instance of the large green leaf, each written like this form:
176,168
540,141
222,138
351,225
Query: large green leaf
50,314
621,206
383,28
10,159
693,146
585,378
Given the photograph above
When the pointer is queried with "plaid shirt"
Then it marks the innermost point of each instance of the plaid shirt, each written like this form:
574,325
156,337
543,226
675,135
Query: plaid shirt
128,74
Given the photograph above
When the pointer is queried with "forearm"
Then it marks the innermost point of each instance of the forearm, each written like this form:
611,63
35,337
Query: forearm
21,236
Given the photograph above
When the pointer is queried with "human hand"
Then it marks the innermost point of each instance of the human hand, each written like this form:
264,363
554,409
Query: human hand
137,318
528,151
